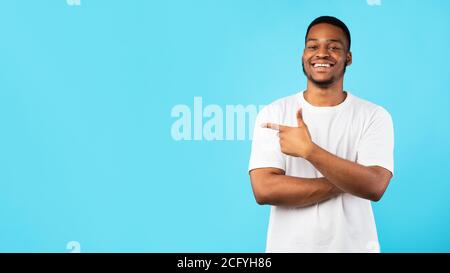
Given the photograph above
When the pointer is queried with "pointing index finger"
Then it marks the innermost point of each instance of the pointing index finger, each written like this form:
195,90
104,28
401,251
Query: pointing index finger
272,126
269,125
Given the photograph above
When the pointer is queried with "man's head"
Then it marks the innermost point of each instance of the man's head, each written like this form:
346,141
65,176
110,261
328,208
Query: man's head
327,51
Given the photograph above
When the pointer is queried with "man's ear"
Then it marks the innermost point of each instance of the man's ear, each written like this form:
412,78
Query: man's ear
349,58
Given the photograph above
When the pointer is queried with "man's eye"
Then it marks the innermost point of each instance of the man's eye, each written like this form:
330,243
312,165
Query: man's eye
312,47
334,48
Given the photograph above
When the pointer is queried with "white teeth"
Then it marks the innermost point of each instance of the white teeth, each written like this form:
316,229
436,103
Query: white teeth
321,65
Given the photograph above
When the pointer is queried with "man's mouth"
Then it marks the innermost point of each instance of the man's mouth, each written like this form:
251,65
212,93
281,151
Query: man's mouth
322,67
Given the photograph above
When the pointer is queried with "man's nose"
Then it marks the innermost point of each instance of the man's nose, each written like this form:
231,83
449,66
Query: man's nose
322,52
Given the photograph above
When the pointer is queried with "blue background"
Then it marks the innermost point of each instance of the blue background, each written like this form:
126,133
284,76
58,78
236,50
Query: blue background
86,93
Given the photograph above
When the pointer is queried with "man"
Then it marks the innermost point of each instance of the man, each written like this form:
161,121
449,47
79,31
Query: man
320,156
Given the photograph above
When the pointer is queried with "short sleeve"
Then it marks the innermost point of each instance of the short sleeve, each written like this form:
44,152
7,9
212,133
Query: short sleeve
265,151
376,147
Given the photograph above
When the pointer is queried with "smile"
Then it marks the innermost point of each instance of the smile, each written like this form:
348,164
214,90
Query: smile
322,65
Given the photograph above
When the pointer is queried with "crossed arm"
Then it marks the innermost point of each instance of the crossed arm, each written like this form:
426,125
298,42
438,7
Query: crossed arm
272,186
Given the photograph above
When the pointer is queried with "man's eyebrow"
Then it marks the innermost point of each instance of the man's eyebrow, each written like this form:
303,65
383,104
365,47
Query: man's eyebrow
326,40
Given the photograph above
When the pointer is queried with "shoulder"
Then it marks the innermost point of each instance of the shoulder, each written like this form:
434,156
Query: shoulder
368,109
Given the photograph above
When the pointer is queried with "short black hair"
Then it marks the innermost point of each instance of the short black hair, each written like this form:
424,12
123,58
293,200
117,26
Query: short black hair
332,21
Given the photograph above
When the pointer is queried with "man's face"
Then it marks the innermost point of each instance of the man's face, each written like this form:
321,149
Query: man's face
325,55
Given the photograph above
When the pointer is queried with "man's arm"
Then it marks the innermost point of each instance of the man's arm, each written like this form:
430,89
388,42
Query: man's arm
271,186
366,182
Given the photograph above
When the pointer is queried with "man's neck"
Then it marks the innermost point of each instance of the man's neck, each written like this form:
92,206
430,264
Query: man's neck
330,96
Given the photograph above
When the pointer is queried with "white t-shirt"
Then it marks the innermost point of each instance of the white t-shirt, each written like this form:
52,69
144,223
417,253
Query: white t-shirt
356,130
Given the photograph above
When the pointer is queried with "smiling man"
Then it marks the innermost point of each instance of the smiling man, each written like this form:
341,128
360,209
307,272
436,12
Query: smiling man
319,157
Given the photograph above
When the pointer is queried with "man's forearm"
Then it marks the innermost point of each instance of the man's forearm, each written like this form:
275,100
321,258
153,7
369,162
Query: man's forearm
349,176
283,190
